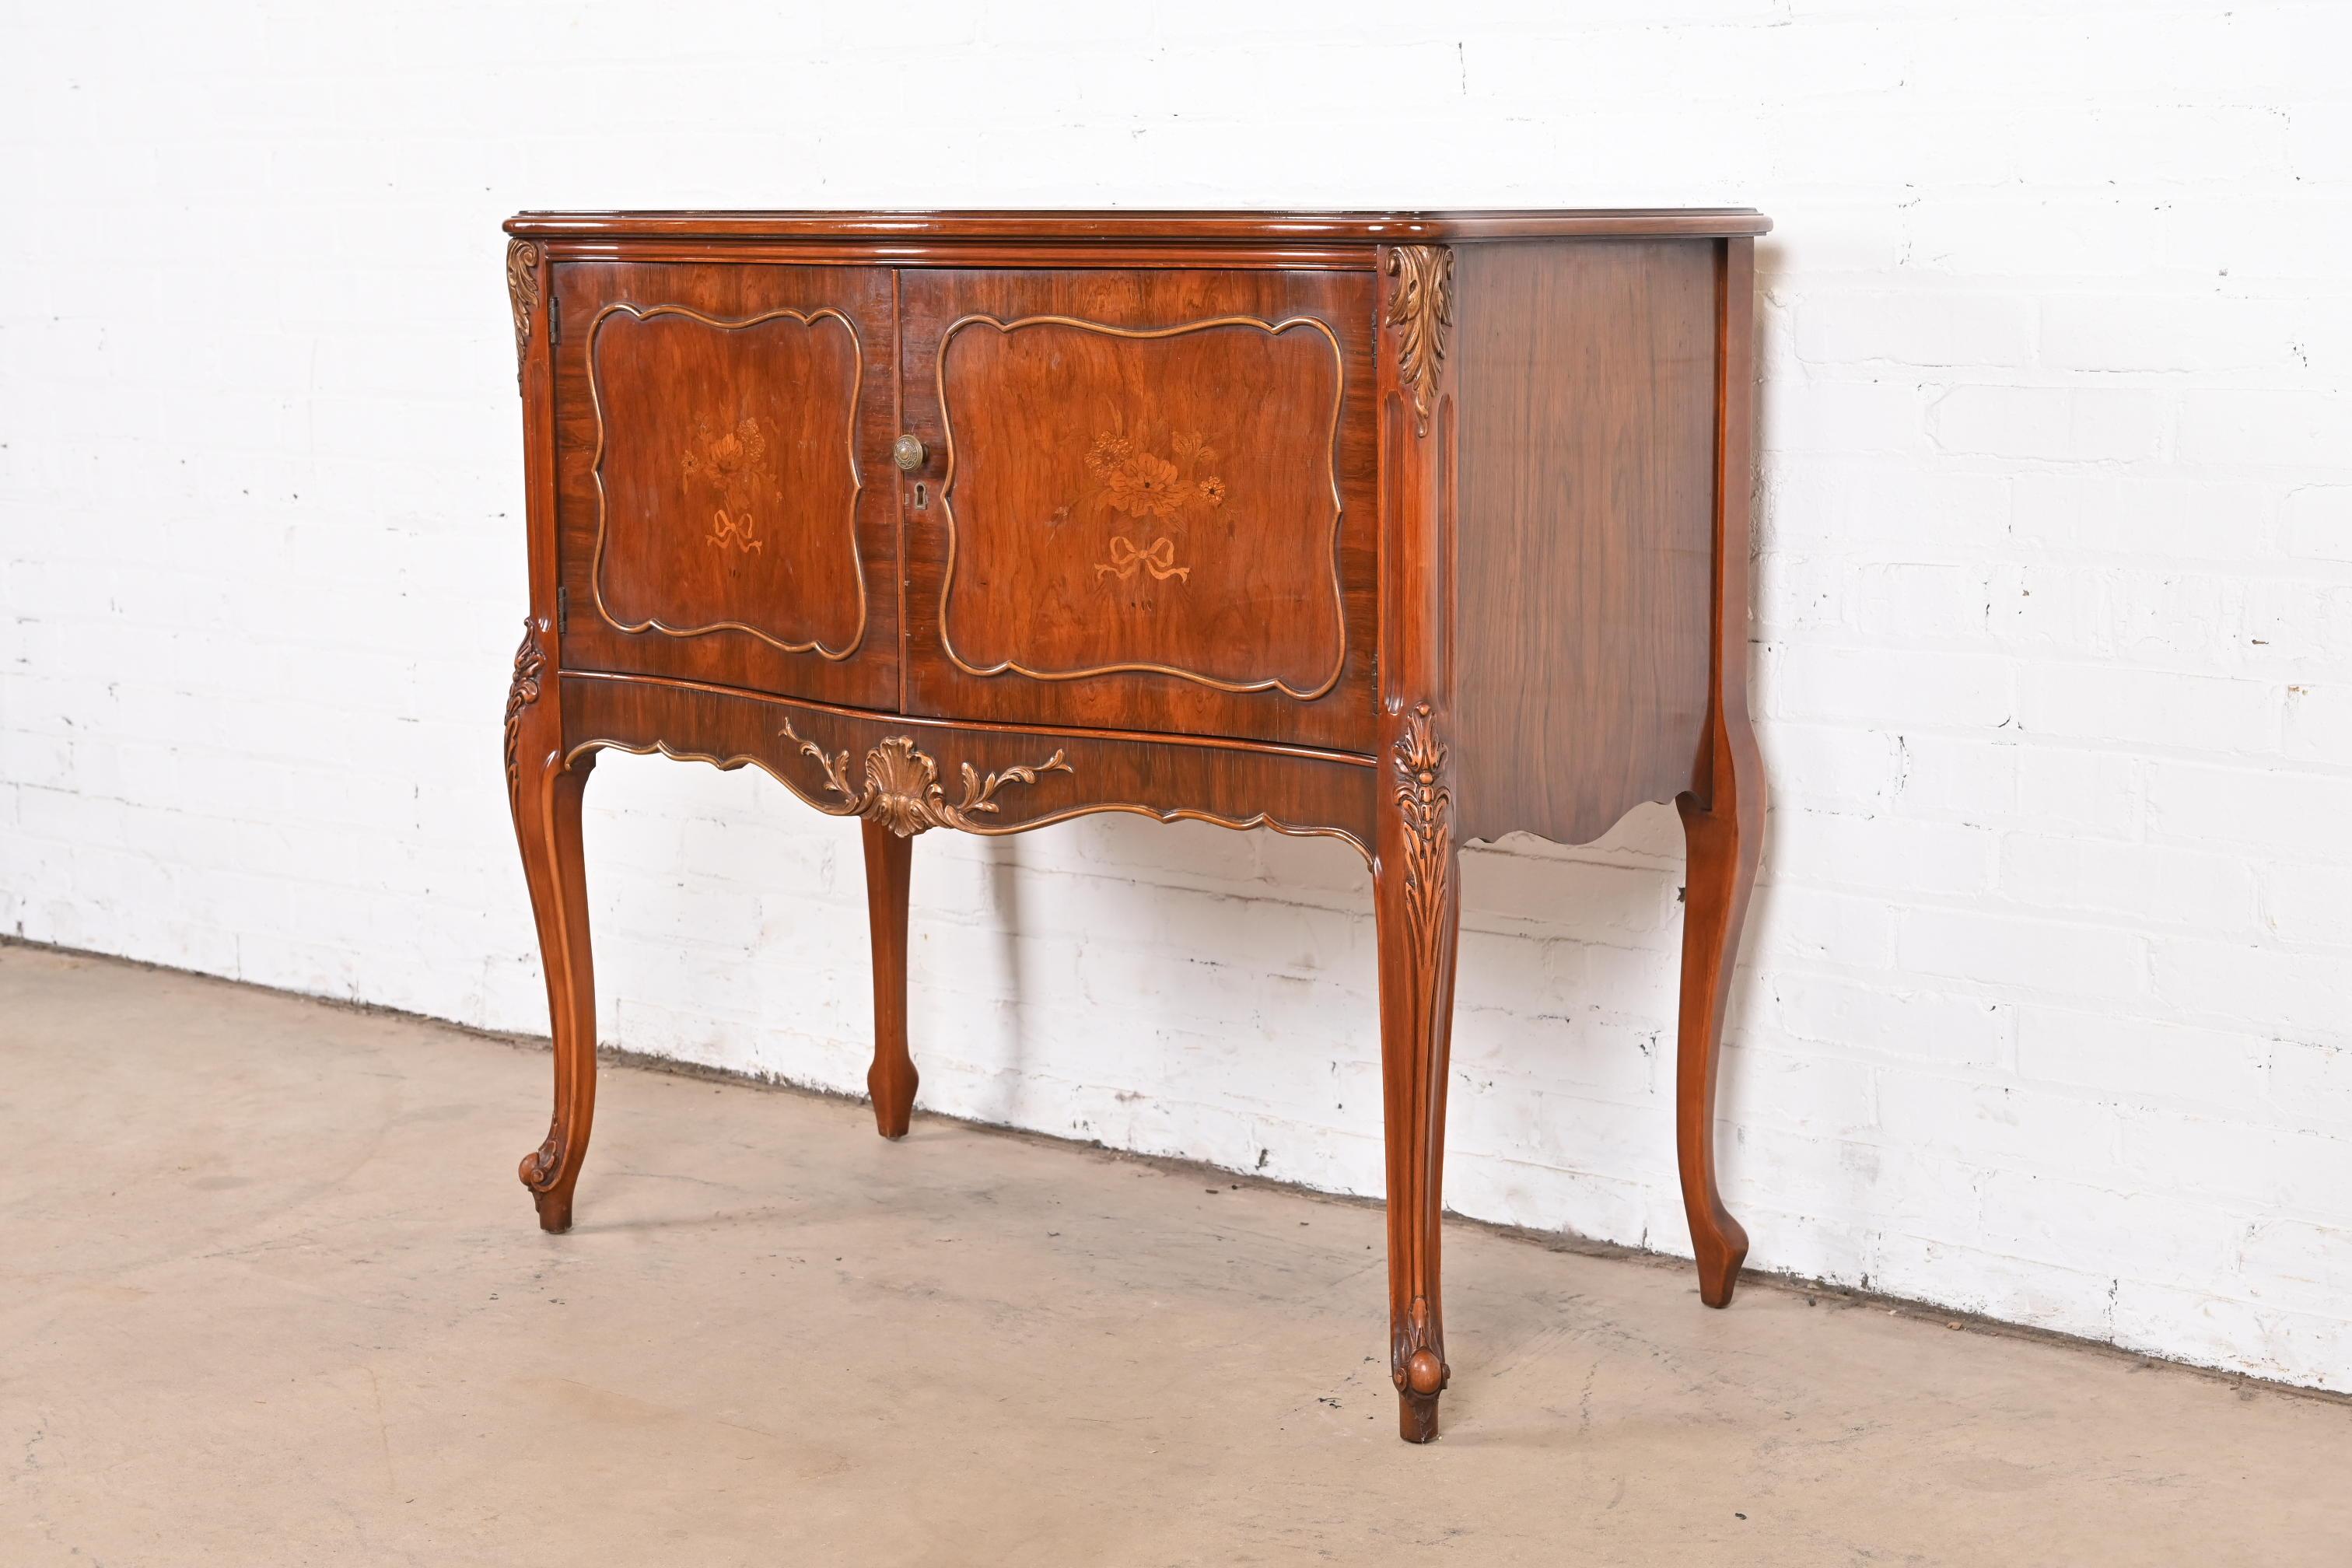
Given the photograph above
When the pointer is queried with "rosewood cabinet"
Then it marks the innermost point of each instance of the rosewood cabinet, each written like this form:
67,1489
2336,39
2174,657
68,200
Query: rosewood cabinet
1406,529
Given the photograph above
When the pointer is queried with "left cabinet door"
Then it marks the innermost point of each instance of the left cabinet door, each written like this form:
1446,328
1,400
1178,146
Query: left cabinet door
725,508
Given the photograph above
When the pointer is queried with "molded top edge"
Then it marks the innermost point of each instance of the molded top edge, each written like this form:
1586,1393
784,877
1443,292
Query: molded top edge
1228,227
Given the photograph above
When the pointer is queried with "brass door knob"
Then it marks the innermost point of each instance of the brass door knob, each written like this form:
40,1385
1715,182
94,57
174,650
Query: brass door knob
908,452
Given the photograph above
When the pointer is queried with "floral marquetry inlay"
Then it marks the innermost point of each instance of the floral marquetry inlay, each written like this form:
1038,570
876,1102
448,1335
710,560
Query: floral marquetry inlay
1144,484
1132,480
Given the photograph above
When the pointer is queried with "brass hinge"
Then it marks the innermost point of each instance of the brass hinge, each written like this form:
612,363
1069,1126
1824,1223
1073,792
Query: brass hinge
562,611
555,319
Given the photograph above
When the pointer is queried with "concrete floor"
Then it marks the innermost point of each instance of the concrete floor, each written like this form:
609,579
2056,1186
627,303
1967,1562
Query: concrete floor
269,1293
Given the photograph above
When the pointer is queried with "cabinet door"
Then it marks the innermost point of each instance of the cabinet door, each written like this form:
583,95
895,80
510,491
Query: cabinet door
722,434
1149,501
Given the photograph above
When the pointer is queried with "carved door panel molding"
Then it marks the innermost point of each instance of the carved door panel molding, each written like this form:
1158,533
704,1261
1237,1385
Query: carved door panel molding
1161,525
721,434
1148,496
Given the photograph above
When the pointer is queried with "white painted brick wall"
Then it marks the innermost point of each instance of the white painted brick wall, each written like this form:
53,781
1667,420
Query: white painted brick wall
2047,1009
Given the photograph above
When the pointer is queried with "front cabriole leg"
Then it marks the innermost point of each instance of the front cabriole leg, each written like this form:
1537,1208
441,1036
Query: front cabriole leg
890,1081
1415,871
543,794
899,796
1418,915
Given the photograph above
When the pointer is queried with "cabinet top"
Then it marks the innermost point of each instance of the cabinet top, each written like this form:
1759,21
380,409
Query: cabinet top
1205,226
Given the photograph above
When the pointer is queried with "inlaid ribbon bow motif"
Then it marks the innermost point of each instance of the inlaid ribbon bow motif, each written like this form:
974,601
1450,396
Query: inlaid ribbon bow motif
1159,559
727,531
733,459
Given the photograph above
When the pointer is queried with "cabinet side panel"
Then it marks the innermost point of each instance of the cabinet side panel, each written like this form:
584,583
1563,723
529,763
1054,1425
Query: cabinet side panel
1586,386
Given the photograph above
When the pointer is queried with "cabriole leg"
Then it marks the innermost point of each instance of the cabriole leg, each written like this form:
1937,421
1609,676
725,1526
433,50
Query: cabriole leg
547,822
1418,915
891,1080
1723,841
1723,823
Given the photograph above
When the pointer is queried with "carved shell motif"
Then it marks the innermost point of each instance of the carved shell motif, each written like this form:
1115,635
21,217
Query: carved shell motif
899,783
901,789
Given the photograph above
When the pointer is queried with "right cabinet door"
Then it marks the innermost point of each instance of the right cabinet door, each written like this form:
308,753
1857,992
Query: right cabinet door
1147,501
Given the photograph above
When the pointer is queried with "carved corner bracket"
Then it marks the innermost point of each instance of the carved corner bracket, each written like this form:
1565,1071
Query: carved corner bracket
901,789
1421,311
530,664
522,297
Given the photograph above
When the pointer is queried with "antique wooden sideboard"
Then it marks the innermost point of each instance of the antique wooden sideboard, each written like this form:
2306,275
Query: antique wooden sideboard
1407,528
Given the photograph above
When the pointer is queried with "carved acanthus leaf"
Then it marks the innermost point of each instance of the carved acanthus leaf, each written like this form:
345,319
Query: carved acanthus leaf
901,790
522,296
1425,803
530,664
1420,309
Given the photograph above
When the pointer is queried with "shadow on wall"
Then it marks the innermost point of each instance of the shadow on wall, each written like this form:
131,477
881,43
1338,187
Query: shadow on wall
1001,894
1171,988
1561,1113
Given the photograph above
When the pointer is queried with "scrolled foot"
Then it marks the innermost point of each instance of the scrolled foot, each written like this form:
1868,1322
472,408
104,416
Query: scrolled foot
541,1170
1418,1370
538,1167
